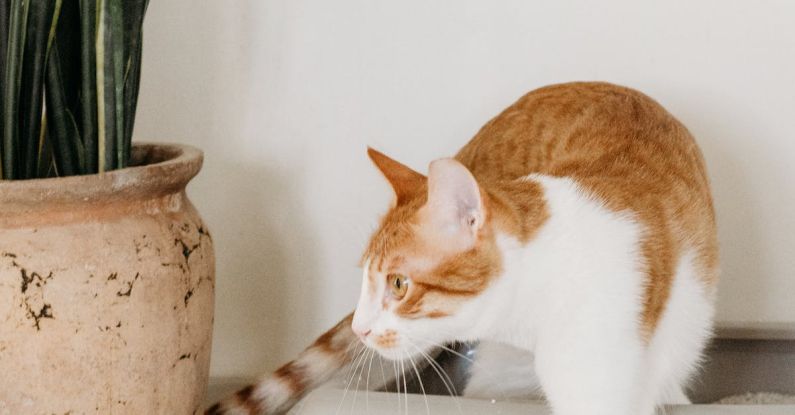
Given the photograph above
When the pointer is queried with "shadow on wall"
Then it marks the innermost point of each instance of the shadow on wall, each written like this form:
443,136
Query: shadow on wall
265,268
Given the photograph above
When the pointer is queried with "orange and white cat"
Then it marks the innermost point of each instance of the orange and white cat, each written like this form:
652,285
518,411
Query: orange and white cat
577,226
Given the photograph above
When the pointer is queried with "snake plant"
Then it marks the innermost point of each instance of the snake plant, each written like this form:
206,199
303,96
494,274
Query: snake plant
69,78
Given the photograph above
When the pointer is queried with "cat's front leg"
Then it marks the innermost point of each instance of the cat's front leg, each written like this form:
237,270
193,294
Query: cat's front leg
592,376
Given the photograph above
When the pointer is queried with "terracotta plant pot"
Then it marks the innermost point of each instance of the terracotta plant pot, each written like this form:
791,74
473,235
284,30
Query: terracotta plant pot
106,290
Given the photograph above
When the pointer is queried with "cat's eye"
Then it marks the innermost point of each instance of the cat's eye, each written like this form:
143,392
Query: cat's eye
398,285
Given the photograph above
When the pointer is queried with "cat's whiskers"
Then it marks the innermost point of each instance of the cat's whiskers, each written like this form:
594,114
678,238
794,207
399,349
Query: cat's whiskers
383,374
367,384
355,354
352,364
352,373
422,387
483,368
357,375
345,393
405,387
439,372
443,347
397,384
448,382
368,355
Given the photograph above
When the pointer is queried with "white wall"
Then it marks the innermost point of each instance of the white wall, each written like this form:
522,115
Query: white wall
283,96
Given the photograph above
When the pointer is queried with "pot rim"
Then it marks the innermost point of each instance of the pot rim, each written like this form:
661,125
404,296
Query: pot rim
157,169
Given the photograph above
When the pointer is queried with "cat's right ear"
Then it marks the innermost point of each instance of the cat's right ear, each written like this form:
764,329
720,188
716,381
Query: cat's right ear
406,182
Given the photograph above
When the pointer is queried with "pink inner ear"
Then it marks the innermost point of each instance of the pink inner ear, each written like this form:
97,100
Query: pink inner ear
454,203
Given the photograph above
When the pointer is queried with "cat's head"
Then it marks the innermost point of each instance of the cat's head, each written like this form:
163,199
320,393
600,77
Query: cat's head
433,254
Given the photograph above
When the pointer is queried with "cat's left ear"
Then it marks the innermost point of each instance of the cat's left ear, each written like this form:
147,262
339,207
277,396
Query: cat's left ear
405,182
454,203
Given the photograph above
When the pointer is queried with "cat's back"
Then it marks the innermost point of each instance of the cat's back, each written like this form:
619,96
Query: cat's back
622,148
572,129
614,141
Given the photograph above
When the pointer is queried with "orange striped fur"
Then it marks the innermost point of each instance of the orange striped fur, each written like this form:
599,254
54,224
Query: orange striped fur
613,141
277,393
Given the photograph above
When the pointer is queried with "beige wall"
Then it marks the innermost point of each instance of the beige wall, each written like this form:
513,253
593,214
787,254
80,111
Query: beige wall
284,96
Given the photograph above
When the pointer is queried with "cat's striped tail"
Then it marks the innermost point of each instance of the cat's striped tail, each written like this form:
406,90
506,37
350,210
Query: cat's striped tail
278,392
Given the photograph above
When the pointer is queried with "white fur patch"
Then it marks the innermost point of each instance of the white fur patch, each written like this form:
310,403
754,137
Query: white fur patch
273,392
573,297
686,326
318,364
368,308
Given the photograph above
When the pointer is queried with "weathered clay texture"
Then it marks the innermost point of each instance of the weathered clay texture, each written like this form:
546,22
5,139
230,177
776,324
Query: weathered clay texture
106,291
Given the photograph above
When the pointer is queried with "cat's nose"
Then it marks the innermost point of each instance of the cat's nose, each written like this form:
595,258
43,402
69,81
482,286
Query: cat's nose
361,325
362,333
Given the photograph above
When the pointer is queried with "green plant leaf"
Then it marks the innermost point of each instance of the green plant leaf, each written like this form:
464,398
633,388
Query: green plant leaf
116,27
13,78
83,59
47,168
43,147
67,33
5,10
61,126
134,12
106,114
88,83
30,102
65,48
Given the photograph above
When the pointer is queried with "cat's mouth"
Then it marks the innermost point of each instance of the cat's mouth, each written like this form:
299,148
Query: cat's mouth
397,352
388,344
386,340
392,346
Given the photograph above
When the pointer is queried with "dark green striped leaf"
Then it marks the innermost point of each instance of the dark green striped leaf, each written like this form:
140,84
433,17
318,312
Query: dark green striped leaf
83,60
30,101
13,79
5,10
88,83
60,122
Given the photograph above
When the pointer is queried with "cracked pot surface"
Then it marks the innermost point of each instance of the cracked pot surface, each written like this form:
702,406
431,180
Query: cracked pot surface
106,290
